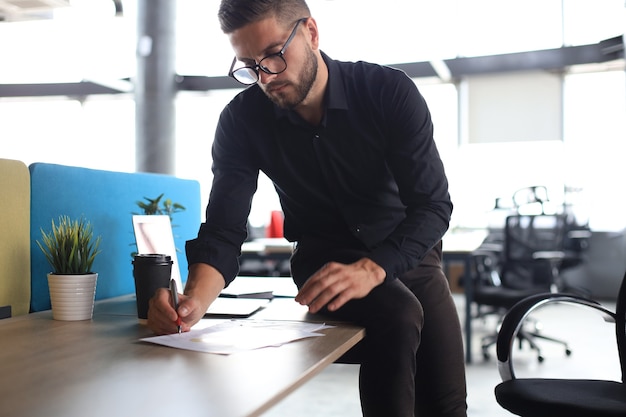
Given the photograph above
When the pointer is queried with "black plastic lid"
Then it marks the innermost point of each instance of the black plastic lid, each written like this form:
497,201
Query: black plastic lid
157,258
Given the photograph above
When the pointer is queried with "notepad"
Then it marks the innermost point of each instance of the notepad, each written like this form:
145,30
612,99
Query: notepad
235,307
261,287
227,293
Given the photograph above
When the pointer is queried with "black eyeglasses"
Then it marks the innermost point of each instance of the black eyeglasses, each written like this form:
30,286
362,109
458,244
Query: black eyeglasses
271,64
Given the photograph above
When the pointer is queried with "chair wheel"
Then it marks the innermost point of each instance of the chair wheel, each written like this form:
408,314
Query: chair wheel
540,359
486,355
568,352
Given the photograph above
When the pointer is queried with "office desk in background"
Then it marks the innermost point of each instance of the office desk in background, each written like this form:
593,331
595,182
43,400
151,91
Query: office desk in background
265,257
458,247
100,368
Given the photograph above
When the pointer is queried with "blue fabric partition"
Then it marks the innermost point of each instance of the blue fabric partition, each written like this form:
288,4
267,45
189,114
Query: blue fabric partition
108,200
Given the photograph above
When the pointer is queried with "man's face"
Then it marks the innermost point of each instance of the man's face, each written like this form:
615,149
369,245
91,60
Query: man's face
256,40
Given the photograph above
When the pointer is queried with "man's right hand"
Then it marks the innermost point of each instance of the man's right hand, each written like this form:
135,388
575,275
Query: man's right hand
203,286
162,316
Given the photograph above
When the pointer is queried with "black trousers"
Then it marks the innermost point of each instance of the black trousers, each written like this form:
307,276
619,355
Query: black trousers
412,362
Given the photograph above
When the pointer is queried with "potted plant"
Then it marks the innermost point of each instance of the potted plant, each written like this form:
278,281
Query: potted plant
70,248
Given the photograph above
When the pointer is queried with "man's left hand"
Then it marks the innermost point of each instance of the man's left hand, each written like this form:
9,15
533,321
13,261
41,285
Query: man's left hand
335,284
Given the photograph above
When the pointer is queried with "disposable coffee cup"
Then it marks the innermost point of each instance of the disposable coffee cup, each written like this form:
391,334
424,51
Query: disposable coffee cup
151,272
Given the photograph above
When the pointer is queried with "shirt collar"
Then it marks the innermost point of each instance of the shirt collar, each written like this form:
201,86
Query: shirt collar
335,92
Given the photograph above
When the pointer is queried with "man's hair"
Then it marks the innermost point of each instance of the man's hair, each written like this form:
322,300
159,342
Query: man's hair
234,14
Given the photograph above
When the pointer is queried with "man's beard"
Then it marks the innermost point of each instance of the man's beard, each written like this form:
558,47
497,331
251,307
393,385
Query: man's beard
305,83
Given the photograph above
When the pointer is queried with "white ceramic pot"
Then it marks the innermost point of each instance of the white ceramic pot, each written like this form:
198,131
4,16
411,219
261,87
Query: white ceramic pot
72,296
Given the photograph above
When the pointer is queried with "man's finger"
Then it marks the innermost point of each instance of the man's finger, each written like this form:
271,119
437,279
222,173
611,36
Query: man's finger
329,294
316,284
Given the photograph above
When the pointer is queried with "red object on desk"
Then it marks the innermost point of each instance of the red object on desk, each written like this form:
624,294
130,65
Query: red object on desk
275,228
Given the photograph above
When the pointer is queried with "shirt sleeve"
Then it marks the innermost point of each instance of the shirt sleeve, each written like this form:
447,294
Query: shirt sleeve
416,166
220,238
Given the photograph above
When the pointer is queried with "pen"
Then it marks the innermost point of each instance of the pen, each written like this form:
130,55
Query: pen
174,292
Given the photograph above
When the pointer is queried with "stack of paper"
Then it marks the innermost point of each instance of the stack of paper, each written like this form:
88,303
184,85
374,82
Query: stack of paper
240,335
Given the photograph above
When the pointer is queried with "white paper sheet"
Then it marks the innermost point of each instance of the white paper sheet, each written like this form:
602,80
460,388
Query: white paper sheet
234,336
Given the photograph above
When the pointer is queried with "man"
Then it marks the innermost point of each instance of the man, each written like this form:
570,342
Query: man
349,147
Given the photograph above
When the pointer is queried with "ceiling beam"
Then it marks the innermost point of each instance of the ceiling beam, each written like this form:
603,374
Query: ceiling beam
558,59
547,60
202,83
79,89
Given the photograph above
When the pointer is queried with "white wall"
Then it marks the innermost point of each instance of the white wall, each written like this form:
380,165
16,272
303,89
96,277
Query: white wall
515,107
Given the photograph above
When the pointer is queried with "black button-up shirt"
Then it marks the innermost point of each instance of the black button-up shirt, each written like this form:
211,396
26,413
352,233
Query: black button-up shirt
368,176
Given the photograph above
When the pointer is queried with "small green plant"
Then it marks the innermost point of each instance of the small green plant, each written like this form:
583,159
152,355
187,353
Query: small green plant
153,206
70,247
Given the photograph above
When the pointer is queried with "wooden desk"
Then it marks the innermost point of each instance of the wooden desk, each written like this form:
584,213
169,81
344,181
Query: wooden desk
100,368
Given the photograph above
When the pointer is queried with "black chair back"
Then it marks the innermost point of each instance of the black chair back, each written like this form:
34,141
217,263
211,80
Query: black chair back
533,247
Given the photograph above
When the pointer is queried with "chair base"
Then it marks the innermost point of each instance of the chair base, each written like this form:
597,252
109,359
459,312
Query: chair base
528,336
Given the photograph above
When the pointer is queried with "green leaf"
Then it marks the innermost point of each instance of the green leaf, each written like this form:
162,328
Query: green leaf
70,247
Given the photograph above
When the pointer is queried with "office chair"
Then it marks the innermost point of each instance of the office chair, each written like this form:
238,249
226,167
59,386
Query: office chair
526,264
530,197
543,397
527,200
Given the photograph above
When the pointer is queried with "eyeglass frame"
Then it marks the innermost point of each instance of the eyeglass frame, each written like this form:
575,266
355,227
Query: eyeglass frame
257,65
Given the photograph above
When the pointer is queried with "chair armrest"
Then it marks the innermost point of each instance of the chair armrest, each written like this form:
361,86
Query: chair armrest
515,317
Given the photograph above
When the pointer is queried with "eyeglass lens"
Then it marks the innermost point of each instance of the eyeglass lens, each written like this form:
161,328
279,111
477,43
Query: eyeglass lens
272,64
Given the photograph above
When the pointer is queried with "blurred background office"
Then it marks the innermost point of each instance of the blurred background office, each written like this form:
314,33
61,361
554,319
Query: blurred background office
521,93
